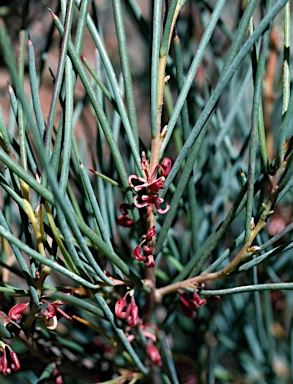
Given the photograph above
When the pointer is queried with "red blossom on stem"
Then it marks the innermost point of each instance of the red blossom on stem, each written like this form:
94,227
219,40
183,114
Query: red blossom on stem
131,313
189,306
154,354
51,312
119,307
124,220
144,252
150,185
4,364
15,313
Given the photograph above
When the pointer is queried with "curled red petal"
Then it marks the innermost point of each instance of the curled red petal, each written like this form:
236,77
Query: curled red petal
151,233
163,211
189,303
166,165
135,177
119,307
148,249
150,262
15,313
124,208
51,323
198,300
125,221
137,254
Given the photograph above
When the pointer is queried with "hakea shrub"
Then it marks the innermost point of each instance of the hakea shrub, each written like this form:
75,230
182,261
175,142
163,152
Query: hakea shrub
138,286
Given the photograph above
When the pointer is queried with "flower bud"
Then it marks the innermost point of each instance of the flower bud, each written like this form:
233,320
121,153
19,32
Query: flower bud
198,300
166,165
16,364
119,306
151,233
132,313
154,354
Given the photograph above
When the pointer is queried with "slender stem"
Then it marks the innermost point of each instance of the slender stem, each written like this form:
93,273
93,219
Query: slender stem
245,251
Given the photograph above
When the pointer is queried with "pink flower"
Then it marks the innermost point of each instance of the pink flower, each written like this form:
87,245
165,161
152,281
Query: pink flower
150,185
154,354
50,314
15,313
149,201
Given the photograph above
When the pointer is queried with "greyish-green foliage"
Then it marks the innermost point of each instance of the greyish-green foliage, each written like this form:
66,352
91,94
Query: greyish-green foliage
146,166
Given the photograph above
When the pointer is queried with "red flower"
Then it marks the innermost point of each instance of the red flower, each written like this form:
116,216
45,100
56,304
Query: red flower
4,367
198,300
119,307
50,314
154,354
144,253
124,220
166,165
15,313
190,306
137,253
150,184
150,201
131,313
150,233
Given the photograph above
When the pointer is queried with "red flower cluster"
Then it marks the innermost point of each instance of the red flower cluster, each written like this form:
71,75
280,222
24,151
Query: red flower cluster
144,251
189,305
49,314
148,187
130,314
4,363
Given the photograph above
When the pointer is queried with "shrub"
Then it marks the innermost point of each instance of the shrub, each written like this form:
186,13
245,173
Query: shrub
146,222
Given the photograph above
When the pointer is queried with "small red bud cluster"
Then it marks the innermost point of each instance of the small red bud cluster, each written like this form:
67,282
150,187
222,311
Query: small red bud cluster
149,186
125,311
144,251
189,306
5,368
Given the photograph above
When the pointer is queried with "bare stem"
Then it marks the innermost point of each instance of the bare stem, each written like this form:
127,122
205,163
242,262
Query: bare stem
243,253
